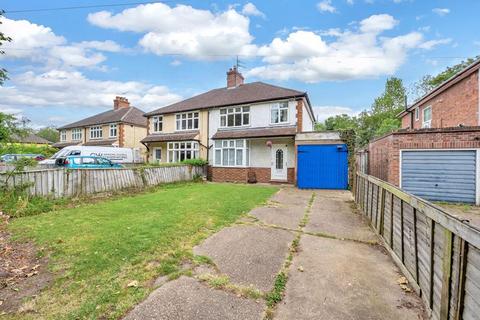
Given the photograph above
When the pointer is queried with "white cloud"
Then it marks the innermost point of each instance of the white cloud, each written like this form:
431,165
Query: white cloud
40,44
306,56
441,11
324,112
326,6
182,29
428,45
70,89
350,2
250,9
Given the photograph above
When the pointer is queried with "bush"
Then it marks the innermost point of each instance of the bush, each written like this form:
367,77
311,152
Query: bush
195,162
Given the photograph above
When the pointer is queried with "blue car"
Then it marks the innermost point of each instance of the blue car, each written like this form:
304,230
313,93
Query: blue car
86,162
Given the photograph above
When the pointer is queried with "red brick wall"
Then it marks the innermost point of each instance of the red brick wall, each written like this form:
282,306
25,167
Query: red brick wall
222,174
384,153
457,105
299,116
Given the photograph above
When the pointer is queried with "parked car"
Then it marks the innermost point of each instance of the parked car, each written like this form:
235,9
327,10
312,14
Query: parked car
117,155
14,157
86,162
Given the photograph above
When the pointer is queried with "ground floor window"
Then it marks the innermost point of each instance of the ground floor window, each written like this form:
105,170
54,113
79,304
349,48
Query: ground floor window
232,153
179,151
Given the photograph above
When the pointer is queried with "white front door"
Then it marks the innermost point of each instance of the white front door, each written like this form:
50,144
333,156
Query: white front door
279,162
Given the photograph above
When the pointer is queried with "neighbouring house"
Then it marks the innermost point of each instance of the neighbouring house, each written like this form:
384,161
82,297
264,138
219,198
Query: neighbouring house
123,126
32,139
453,103
436,154
246,131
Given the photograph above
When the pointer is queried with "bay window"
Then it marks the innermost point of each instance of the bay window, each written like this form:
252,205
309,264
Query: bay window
232,153
157,123
235,117
179,151
186,121
76,134
96,132
279,112
113,131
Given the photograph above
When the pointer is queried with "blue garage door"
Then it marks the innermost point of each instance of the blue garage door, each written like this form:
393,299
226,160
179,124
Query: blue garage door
322,166
440,175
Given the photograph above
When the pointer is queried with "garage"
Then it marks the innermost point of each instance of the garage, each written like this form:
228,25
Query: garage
439,175
322,166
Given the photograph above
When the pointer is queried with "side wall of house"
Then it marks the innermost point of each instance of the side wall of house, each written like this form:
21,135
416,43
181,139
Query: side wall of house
457,105
132,135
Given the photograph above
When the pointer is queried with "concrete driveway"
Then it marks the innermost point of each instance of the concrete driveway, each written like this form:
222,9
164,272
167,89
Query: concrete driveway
338,270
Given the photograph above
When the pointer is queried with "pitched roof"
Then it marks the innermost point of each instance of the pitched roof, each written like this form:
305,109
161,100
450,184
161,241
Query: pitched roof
244,93
32,138
177,136
447,84
130,115
108,142
61,145
256,133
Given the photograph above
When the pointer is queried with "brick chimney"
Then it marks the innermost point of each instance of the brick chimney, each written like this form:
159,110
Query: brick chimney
234,78
120,102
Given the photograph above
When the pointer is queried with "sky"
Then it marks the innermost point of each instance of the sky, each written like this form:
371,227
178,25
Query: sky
67,64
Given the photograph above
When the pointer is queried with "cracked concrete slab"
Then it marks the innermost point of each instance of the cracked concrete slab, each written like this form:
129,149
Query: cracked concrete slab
186,298
292,197
281,216
332,214
345,280
249,255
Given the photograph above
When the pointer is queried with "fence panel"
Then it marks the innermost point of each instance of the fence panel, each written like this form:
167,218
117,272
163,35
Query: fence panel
57,183
438,253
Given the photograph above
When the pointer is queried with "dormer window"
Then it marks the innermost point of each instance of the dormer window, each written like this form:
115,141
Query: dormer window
279,112
234,117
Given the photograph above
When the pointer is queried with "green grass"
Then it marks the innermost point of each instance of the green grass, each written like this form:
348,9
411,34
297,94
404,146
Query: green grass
96,250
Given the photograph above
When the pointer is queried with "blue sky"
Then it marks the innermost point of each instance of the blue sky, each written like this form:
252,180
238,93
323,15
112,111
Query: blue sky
65,65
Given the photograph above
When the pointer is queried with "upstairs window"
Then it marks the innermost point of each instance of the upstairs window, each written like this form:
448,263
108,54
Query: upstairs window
96,132
157,123
235,117
186,121
113,130
279,112
76,134
427,117
417,114
63,135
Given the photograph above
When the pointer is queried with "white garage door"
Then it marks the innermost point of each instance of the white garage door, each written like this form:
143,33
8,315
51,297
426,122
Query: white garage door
440,175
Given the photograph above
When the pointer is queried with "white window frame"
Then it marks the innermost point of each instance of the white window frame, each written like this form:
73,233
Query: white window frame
76,134
229,147
176,148
417,114
238,111
426,124
113,128
63,135
155,154
96,132
184,118
277,108
157,124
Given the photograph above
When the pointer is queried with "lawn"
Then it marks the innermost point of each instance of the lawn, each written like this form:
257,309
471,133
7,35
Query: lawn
97,250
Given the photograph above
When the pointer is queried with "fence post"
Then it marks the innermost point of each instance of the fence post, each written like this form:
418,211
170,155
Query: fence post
446,275
462,269
382,210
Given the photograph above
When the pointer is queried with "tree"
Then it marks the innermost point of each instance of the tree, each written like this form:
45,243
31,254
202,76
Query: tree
10,128
428,82
49,133
338,122
3,38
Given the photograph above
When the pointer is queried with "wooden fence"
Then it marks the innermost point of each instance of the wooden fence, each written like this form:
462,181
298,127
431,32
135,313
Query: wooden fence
59,183
436,251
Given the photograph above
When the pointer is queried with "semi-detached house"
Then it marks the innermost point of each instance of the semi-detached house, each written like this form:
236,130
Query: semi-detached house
122,126
246,131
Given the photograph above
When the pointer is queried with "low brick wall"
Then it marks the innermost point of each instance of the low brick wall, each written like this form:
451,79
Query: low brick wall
384,153
263,175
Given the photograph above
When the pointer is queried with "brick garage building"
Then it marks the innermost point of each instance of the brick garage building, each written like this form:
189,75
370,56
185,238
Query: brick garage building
384,154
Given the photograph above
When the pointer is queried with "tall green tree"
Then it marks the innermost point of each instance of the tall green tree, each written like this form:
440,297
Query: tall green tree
49,133
3,39
338,122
